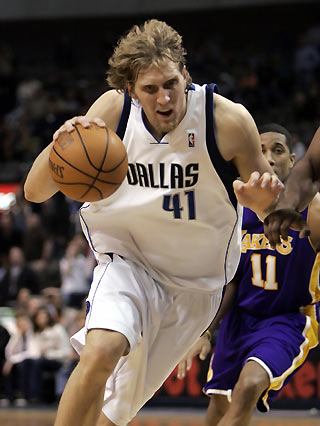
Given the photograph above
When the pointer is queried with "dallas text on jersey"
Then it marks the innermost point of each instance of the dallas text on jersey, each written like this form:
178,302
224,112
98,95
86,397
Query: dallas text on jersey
156,176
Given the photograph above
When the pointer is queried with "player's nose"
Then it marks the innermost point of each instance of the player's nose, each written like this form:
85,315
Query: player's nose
269,158
163,96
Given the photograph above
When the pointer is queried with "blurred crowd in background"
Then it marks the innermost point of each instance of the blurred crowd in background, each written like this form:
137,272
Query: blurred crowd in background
45,273
45,263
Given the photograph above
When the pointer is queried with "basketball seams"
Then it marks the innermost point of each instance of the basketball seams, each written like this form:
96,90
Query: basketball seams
99,169
82,168
115,167
84,148
103,159
81,171
81,183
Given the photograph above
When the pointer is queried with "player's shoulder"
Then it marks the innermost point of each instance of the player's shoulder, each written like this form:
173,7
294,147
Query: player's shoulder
108,107
112,96
314,207
234,125
234,113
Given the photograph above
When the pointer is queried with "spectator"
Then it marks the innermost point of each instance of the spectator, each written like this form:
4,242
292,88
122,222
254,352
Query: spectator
10,235
65,372
23,299
75,270
306,62
4,339
17,275
20,352
52,342
33,240
52,300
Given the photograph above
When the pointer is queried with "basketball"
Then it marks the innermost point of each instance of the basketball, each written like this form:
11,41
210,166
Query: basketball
88,164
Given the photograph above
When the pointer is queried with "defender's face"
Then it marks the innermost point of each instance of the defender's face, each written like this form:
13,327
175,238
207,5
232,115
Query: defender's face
276,151
161,92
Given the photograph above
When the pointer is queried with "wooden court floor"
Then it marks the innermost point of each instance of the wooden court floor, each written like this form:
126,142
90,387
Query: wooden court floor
159,417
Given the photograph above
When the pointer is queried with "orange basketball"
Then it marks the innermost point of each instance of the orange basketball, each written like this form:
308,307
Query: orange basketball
88,164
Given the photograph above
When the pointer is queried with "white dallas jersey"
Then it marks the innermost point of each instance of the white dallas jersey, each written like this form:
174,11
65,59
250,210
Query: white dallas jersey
175,214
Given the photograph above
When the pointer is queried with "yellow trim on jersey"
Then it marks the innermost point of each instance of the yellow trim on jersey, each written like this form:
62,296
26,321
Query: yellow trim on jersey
314,287
210,371
310,311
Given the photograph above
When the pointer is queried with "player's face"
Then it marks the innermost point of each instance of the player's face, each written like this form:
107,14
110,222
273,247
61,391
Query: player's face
161,92
276,151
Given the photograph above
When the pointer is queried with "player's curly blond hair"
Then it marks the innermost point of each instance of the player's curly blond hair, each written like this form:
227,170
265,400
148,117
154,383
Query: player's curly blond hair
145,45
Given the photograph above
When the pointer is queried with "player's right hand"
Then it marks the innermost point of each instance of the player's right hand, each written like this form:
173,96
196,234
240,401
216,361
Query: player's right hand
278,223
202,347
85,121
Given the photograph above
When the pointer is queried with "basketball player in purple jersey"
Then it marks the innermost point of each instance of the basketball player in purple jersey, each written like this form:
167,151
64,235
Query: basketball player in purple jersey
271,321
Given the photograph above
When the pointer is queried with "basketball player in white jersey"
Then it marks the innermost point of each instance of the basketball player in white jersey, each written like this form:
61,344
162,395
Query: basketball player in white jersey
169,238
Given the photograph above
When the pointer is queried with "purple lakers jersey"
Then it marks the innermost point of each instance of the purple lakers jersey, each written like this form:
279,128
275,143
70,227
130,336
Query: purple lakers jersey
277,281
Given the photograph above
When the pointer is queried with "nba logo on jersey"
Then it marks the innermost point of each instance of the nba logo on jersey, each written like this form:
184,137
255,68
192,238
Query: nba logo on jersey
191,139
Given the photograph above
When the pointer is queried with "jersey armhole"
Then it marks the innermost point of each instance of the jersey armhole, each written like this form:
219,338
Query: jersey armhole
122,125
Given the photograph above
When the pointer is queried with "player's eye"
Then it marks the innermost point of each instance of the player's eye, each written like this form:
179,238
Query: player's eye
170,84
279,151
149,89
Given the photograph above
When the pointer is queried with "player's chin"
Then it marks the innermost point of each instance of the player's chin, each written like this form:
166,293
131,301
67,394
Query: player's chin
168,126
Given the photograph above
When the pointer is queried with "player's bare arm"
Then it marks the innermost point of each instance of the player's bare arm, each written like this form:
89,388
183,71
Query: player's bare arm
108,108
39,185
105,111
238,141
304,179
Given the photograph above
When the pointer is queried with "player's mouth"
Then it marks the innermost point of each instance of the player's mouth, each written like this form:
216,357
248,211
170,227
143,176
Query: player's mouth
166,113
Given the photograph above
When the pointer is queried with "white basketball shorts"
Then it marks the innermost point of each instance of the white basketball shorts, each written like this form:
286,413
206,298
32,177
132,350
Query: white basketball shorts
160,324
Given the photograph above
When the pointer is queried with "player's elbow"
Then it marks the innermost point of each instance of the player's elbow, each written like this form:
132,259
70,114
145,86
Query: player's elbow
34,196
38,189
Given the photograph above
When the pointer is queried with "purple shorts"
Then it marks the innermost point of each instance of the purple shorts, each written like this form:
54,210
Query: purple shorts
280,344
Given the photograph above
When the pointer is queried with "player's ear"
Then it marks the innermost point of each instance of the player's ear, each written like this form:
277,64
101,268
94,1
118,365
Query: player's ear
130,89
186,77
292,159
185,72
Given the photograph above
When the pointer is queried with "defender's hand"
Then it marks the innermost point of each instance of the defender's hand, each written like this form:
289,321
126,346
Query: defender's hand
202,347
278,223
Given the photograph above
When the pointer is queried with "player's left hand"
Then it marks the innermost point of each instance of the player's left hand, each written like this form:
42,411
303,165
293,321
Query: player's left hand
202,347
260,193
